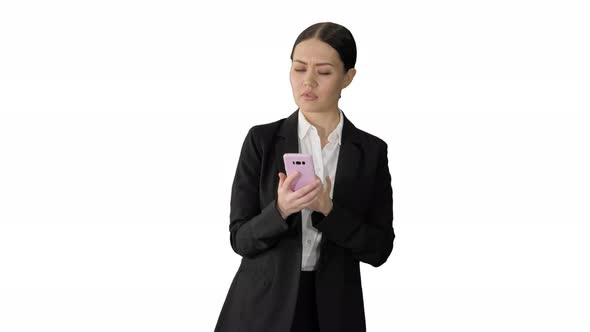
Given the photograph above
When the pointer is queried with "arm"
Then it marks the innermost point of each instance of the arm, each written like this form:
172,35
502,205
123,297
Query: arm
369,240
252,230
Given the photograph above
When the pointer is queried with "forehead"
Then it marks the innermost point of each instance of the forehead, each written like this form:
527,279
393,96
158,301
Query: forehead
315,50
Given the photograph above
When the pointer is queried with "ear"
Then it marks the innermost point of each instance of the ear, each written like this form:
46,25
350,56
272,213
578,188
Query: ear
348,77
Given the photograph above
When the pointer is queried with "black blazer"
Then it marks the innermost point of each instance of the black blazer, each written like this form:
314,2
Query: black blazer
263,293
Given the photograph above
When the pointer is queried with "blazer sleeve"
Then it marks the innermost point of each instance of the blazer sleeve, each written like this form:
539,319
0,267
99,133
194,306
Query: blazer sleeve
369,239
252,229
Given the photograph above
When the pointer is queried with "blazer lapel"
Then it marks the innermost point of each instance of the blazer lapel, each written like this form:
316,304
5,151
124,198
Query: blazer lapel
349,157
349,160
287,140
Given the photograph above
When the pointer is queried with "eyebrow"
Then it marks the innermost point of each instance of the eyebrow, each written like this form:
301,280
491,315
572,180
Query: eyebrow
317,64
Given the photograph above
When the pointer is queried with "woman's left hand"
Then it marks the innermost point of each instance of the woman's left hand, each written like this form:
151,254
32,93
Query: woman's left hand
323,203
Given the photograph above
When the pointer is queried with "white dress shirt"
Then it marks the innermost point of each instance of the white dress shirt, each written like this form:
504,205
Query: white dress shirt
325,161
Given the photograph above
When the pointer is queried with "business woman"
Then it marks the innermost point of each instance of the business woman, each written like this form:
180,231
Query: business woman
301,249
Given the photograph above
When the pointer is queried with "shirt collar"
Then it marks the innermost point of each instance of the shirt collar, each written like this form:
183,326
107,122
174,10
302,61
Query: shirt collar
303,128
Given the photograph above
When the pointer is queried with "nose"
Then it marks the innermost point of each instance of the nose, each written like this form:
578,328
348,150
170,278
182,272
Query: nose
309,81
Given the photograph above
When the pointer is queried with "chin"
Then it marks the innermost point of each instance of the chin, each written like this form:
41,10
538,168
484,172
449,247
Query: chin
309,109
305,107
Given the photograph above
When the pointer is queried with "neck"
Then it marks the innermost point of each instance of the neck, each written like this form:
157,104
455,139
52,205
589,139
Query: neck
324,122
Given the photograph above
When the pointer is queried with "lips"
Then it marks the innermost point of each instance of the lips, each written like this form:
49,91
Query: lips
309,96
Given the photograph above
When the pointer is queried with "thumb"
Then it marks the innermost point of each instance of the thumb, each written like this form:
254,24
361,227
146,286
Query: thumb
328,184
282,177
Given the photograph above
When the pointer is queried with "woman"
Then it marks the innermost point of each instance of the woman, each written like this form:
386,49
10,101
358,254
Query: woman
301,250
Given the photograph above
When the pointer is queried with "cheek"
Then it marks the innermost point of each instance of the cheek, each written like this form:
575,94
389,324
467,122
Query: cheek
293,81
331,87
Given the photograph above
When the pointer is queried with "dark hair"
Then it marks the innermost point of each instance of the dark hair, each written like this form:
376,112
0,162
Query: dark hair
334,35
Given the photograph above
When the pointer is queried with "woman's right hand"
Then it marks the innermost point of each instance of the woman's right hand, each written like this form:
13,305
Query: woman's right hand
290,201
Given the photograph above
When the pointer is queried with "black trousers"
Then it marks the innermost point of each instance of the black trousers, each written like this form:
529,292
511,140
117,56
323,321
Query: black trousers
306,313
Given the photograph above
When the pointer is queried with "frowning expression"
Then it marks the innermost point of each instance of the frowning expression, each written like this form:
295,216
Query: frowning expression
317,76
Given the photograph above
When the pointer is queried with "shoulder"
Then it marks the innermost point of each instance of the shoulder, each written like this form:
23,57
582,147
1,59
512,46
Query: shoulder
372,144
371,139
265,131
374,151
366,140
261,136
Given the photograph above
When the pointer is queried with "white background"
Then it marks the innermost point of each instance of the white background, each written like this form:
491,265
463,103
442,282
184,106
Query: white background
121,124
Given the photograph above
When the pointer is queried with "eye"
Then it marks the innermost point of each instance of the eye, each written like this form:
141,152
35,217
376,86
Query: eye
299,69
327,73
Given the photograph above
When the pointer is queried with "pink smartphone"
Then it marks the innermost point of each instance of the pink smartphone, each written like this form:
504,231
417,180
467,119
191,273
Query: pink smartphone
302,163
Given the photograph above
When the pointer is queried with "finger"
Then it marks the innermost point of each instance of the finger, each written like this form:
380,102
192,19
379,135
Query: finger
309,197
306,189
309,204
328,184
306,203
290,178
282,178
